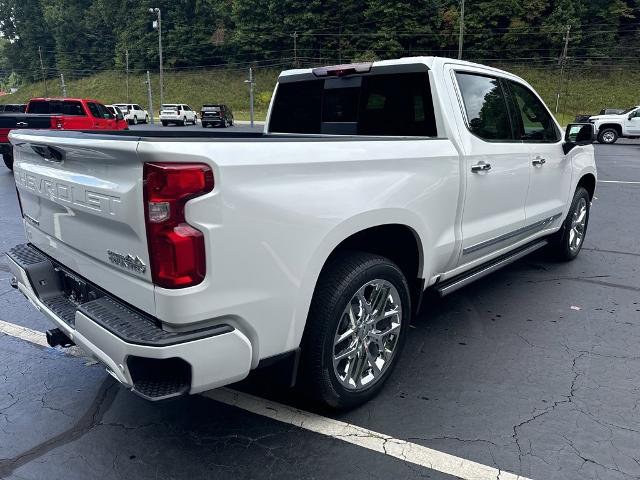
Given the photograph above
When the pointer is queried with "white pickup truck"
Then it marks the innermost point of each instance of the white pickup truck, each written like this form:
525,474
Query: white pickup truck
613,126
184,260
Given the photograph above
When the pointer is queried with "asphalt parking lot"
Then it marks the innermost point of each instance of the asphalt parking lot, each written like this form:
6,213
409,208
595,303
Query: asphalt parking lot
534,370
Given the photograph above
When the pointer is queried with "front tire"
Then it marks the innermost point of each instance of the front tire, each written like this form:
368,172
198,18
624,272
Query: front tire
8,160
608,136
184,121
356,328
164,123
566,244
146,119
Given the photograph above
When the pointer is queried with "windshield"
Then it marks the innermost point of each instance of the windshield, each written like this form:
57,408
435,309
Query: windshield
210,108
628,110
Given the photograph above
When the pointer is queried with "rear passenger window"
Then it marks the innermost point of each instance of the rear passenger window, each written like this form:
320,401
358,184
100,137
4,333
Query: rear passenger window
93,108
533,121
397,104
486,107
71,108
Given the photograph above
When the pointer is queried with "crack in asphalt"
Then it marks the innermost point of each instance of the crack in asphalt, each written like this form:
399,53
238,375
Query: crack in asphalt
551,408
586,460
615,252
589,279
91,418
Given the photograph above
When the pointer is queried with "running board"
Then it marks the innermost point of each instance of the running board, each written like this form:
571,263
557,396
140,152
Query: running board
459,281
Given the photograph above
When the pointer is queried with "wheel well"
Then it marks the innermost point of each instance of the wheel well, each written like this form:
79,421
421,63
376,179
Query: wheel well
398,243
588,181
616,127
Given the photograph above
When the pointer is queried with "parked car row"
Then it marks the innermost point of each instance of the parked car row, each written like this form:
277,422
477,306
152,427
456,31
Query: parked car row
58,114
214,114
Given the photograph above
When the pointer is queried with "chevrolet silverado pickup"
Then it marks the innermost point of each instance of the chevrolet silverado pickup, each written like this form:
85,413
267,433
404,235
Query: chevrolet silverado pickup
184,260
610,127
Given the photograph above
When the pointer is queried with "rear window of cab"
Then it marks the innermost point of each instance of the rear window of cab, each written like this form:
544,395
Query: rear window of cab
396,104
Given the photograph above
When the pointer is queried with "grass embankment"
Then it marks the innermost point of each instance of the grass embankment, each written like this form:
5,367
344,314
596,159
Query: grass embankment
583,91
193,88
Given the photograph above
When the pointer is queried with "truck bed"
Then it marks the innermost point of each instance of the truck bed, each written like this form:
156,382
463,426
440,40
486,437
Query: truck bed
194,135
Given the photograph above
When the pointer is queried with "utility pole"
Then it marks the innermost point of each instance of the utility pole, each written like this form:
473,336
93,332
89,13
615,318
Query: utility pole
562,62
295,48
126,56
149,98
251,83
44,76
340,43
158,24
64,87
461,35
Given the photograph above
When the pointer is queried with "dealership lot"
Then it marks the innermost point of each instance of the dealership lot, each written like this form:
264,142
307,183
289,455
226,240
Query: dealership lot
533,370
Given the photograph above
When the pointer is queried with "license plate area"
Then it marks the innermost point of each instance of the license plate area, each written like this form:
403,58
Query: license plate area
75,288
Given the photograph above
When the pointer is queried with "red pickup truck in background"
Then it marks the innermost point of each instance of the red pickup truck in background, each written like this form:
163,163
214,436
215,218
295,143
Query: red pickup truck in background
57,114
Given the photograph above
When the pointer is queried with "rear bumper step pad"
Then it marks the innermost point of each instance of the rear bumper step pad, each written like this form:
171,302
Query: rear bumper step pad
124,322
154,363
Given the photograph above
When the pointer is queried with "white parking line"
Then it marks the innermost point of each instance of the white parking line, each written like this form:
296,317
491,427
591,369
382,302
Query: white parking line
346,432
23,333
619,181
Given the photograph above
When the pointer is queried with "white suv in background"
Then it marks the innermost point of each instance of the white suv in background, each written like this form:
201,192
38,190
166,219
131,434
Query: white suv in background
133,113
178,113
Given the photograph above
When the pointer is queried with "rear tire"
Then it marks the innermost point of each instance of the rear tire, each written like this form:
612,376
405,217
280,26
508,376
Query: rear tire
184,121
566,244
8,160
345,337
135,120
608,136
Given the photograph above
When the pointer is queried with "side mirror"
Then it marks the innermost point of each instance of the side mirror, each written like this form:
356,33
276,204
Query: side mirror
578,134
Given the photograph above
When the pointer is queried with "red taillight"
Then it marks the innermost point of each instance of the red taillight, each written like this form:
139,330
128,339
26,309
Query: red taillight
176,249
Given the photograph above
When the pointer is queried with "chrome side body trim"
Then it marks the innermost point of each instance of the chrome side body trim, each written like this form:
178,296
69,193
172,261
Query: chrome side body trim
452,286
540,225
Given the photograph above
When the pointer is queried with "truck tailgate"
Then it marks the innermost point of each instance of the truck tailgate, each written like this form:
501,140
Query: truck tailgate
82,202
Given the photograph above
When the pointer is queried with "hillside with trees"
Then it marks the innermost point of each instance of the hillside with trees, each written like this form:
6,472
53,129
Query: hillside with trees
80,37
88,41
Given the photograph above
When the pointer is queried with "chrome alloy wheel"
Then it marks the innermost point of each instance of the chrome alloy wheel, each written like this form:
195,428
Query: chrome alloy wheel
578,226
367,336
608,137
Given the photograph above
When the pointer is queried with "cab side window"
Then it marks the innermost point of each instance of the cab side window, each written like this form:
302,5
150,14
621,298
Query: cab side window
93,108
485,103
532,120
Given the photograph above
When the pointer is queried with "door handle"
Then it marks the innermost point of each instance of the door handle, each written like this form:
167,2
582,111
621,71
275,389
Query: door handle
538,162
22,124
481,167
